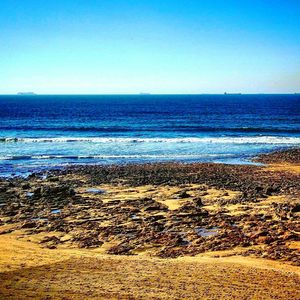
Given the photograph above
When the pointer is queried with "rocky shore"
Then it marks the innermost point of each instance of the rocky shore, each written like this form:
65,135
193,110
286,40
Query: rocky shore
164,210
285,156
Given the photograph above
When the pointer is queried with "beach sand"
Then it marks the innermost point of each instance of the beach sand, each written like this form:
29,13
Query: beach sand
27,272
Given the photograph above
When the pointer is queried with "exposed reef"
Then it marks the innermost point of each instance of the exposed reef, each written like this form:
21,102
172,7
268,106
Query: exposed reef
164,210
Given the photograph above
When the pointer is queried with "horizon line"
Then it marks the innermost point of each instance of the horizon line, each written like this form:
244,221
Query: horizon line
142,94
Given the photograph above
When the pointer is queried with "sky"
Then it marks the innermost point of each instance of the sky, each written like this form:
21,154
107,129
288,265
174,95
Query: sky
159,47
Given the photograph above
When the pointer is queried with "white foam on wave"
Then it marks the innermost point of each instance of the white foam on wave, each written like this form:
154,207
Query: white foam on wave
125,156
217,140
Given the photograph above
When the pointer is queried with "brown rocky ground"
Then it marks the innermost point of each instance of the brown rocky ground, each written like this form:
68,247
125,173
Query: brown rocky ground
213,218
284,156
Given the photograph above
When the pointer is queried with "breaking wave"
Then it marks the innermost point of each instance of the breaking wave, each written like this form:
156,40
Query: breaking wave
100,156
276,140
161,128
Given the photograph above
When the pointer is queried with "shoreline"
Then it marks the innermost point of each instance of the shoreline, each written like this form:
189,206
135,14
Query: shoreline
189,217
22,164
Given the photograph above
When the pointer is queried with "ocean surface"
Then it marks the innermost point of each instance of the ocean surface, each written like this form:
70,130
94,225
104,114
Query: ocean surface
41,132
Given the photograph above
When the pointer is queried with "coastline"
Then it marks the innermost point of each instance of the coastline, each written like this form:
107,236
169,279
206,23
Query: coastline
232,228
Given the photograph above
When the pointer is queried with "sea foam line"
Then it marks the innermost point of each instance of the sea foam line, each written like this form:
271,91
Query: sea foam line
103,156
218,140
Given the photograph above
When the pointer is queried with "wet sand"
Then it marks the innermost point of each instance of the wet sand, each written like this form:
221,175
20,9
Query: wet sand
158,231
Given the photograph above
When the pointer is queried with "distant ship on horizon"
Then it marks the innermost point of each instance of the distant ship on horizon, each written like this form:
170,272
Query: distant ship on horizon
232,93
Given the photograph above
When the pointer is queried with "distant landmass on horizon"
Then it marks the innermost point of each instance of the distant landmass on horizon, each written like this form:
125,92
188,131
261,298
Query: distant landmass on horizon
26,94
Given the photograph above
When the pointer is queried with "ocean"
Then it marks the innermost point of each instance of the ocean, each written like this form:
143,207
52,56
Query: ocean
42,132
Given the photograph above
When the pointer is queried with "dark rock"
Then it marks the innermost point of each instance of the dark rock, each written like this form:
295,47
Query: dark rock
184,195
121,249
53,239
11,185
26,186
156,206
198,202
296,208
28,224
53,179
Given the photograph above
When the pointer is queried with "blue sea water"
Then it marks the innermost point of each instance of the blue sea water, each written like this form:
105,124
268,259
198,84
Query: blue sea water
40,132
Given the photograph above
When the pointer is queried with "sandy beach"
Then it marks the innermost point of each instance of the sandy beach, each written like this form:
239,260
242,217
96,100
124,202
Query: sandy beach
153,231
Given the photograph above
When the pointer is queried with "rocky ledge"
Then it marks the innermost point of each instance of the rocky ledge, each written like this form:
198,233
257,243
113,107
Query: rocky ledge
164,210
285,156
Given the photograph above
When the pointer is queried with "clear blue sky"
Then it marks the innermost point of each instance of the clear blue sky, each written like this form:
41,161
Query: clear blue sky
165,46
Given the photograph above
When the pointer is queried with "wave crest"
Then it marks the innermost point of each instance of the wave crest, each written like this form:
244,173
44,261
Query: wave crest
103,156
166,128
280,140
